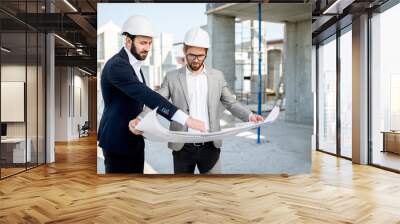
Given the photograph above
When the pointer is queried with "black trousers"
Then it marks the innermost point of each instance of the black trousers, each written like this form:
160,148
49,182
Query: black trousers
132,162
205,156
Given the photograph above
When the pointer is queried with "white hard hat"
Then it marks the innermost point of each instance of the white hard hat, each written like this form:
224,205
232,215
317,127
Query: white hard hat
138,25
197,37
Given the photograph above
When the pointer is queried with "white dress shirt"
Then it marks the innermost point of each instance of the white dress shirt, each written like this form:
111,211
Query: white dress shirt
198,93
136,64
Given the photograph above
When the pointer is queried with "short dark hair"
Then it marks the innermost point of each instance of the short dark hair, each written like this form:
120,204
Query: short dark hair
132,37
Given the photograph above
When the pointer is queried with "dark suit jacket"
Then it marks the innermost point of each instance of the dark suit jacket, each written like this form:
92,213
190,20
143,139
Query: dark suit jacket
124,96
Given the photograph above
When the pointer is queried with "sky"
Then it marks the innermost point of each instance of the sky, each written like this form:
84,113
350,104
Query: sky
175,18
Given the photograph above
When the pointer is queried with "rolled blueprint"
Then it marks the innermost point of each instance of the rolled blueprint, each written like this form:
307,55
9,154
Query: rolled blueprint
154,131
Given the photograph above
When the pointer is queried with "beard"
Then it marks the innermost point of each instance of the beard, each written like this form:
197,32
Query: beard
195,66
141,56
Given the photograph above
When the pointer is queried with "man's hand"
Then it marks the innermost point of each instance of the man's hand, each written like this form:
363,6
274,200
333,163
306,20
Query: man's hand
132,125
256,118
195,124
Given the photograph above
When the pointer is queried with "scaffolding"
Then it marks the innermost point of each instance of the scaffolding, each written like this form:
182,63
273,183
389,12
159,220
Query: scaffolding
246,58
257,84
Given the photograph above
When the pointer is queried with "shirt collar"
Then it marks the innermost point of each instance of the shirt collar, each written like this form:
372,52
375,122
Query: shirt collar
132,60
189,72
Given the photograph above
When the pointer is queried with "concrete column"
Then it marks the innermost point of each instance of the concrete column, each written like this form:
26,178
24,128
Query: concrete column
221,55
50,99
274,69
314,93
297,72
360,90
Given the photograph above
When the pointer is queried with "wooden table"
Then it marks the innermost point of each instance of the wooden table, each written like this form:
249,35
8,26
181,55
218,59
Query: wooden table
391,141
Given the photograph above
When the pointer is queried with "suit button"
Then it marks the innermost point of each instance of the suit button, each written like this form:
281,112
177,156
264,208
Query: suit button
187,110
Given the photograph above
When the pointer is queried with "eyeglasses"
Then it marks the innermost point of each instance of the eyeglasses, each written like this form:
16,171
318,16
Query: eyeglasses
193,56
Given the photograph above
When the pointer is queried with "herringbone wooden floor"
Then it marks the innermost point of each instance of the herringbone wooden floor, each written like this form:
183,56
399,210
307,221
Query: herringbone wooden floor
70,191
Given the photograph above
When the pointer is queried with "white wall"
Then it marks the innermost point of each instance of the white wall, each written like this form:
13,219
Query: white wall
61,103
80,83
16,73
33,126
70,83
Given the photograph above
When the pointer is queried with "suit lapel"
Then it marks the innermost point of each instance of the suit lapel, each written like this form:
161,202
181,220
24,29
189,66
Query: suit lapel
125,56
182,81
141,73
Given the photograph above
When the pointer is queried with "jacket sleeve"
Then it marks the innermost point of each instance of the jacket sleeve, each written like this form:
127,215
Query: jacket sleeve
163,91
229,101
122,78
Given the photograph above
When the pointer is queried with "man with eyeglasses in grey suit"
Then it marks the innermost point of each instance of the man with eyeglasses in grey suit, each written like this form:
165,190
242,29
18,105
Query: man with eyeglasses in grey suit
198,90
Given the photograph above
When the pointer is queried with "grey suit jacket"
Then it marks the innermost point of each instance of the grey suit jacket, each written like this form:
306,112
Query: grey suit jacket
174,87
